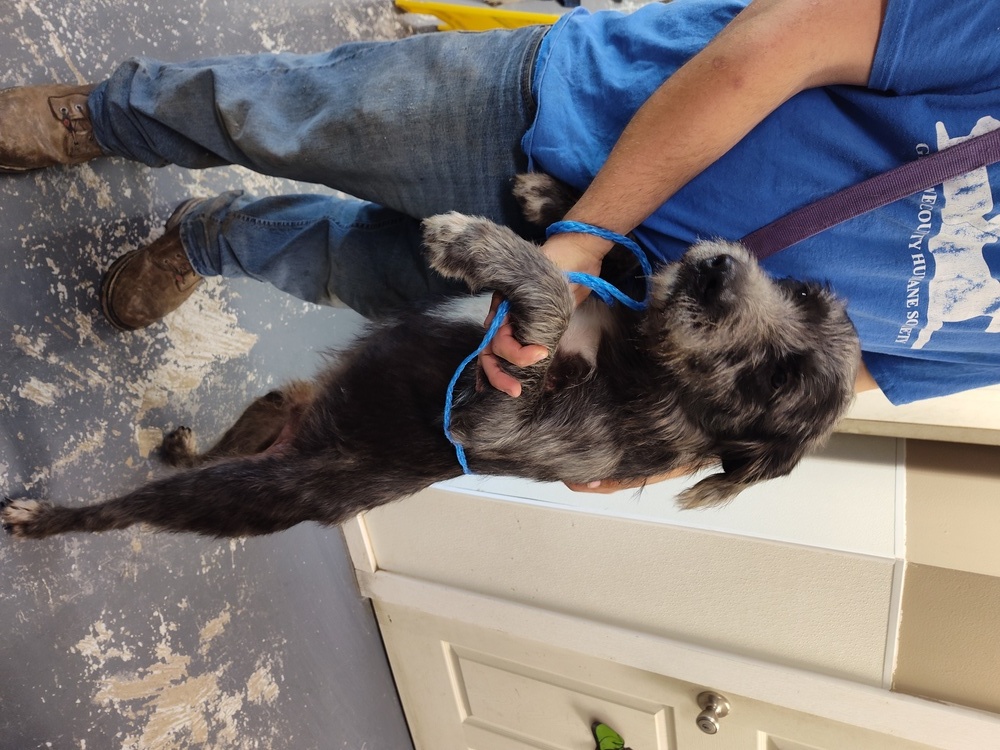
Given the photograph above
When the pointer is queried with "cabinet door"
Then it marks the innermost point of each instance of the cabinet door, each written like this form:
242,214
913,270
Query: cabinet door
465,686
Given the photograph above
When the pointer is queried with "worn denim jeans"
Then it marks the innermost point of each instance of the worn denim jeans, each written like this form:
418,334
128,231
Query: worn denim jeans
410,128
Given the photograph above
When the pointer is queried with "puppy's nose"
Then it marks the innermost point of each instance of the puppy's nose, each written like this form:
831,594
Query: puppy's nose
713,275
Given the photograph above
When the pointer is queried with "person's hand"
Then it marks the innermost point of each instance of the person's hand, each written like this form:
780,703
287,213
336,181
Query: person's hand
570,252
505,346
607,486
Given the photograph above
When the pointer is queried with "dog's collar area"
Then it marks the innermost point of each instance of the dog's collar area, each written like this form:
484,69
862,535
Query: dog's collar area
608,293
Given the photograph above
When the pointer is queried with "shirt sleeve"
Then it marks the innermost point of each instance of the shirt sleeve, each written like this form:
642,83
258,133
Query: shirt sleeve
950,47
907,379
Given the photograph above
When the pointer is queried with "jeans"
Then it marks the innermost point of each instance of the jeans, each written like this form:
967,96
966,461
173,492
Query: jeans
410,128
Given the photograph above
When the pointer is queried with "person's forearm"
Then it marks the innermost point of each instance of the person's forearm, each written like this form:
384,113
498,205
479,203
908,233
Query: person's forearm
864,381
769,52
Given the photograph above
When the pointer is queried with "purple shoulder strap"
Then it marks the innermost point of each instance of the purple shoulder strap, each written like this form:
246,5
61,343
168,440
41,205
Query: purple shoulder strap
875,192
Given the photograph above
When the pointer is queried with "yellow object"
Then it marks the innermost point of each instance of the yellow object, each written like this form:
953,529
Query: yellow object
470,18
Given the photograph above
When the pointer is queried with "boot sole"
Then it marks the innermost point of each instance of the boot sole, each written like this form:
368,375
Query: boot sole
23,170
108,282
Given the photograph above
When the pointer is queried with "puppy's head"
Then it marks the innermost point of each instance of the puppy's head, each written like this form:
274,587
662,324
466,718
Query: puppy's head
764,367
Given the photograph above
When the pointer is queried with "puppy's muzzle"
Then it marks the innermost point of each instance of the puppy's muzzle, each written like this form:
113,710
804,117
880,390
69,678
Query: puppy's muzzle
713,278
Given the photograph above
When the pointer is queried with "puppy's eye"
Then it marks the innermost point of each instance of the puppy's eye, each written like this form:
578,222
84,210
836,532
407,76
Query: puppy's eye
779,378
799,291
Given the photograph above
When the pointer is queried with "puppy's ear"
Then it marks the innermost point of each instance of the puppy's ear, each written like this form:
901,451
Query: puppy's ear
742,466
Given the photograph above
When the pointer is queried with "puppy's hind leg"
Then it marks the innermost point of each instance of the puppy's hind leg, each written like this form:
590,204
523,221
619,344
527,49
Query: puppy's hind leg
257,429
544,200
234,497
230,498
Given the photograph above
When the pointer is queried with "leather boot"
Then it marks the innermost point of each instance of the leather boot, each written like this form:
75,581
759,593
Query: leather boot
41,126
147,283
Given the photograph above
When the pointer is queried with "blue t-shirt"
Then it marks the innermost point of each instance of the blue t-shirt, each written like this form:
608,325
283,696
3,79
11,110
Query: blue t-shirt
920,276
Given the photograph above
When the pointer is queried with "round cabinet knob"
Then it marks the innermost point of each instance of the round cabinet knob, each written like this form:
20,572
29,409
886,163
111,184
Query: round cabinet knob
713,707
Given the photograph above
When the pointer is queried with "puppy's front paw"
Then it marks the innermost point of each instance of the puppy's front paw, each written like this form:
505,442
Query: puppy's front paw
449,239
479,252
24,518
178,447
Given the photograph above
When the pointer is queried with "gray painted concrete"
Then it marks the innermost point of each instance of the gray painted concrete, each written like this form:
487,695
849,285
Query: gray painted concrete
134,639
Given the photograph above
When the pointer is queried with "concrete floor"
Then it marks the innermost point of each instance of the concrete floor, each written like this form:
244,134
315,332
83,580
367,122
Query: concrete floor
134,639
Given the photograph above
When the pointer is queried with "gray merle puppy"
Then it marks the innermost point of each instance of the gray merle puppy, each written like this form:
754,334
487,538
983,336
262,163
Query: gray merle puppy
726,367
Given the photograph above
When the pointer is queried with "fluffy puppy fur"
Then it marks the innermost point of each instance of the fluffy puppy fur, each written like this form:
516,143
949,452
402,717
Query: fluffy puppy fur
726,367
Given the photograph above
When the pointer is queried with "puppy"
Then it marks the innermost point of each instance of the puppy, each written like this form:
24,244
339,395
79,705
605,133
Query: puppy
726,367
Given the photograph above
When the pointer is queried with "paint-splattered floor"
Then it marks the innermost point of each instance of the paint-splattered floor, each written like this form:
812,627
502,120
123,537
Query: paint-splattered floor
132,639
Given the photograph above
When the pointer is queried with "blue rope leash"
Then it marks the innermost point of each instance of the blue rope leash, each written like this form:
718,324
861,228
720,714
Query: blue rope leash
608,293
579,227
502,309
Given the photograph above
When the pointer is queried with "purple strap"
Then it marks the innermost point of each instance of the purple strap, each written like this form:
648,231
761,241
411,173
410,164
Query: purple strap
875,192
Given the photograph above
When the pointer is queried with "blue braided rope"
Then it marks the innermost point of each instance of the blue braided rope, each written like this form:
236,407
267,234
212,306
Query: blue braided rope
608,293
579,227
501,313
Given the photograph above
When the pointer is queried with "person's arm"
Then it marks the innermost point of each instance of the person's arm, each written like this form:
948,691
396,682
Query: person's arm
864,381
772,50
607,486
